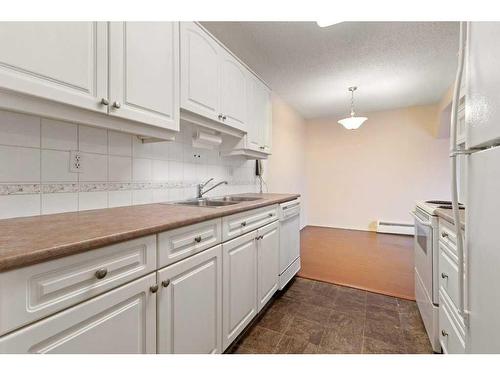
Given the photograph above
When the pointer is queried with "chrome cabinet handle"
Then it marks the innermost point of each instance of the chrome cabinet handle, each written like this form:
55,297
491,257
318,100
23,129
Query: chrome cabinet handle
444,333
197,239
165,283
444,276
104,101
220,116
116,105
243,223
101,273
444,235
262,147
271,215
224,118
154,288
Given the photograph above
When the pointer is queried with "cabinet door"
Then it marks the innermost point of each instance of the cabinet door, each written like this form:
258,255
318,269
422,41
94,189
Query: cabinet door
239,285
122,321
262,104
254,135
200,60
61,61
144,72
233,104
190,304
259,115
268,251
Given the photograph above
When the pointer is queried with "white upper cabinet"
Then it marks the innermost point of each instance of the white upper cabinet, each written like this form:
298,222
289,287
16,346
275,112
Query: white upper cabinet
212,80
233,104
60,61
144,72
259,109
200,71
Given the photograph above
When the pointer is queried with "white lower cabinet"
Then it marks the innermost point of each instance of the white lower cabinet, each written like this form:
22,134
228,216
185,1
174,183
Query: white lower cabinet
240,285
190,304
120,321
268,260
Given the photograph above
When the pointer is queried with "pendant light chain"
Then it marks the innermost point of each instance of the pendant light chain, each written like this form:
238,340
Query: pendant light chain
352,102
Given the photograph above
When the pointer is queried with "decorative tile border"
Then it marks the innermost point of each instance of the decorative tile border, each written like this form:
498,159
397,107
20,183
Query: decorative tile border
47,188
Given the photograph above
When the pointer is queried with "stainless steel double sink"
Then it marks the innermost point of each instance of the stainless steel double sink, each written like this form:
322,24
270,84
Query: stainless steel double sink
216,202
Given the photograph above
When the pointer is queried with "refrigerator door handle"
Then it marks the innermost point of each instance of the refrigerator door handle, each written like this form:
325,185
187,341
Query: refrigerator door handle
454,179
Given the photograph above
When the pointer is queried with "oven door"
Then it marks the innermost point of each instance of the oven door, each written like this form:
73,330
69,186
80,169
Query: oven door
423,250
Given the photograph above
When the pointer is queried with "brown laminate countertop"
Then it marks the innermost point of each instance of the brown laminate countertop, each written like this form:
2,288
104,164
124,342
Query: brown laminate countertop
30,240
447,215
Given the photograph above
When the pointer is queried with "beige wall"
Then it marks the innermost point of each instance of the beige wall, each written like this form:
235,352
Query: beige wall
285,169
377,172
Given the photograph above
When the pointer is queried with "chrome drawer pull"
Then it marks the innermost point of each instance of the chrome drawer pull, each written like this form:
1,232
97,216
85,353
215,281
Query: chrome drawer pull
154,288
444,235
101,273
165,283
197,239
444,276
271,215
243,223
444,333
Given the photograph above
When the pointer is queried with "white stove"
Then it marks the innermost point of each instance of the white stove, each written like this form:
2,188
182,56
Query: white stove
426,265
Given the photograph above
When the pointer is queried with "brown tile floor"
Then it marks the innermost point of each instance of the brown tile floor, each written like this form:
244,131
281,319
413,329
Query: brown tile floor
317,317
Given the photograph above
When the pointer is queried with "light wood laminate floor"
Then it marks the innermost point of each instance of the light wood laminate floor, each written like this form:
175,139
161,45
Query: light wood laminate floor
376,262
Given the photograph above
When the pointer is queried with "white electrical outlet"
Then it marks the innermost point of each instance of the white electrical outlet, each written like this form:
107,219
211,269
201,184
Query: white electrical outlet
75,162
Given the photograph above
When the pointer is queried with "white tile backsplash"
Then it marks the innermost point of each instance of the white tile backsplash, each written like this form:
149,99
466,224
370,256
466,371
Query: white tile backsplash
54,203
19,164
59,135
119,198
118,169
19,205
95,167
119,143
17,129
92,139
92,200
55,167
141,170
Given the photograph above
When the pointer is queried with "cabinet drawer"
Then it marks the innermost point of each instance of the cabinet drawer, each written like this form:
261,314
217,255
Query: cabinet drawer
447,235
122,321
450,337
448,273
180,243
244,222
289,209
30,293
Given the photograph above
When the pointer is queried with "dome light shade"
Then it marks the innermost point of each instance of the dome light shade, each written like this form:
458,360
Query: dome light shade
352,122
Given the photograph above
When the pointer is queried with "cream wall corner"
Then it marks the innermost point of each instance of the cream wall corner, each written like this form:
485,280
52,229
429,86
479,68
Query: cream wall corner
377,172
284,171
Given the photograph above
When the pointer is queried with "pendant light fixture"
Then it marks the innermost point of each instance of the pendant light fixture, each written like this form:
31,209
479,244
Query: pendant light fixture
352,122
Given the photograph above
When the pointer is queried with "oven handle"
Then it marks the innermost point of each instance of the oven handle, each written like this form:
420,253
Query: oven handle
426,223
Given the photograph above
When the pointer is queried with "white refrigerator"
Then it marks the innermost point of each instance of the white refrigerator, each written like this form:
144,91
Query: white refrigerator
481,287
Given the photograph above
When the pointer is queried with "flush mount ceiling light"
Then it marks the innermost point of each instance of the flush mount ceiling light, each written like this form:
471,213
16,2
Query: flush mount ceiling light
352,122
325,23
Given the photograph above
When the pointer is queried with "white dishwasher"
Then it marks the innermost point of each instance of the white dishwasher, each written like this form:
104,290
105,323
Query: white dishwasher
289,217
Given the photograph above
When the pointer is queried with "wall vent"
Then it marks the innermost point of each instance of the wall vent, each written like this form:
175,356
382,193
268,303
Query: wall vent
395,228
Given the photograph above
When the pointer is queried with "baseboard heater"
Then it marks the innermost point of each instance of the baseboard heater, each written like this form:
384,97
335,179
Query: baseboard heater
395,228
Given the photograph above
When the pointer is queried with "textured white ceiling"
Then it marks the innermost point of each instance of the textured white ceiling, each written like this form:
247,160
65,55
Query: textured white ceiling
394,64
